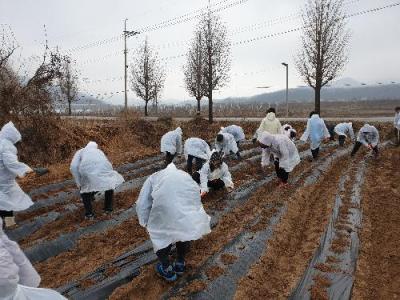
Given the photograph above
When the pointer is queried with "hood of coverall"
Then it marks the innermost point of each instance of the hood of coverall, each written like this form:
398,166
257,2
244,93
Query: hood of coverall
9,132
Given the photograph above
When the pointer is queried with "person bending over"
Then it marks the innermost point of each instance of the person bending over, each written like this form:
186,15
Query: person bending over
284,151
226,144
343,130
170,208
369,137
198,150
93,173
171,144
316,132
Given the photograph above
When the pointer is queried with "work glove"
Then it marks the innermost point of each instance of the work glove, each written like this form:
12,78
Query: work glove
203,194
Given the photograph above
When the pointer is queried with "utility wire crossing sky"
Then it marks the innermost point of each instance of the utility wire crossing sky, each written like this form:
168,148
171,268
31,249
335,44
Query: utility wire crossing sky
263,34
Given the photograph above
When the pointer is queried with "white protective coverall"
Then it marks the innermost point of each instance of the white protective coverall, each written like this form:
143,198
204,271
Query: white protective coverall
197,148
172,142
287,130
270,124
169,206
207,175
227,145
236,131
345,129
92,171
18,278
316,131
12,198
396,121
368,135
282,148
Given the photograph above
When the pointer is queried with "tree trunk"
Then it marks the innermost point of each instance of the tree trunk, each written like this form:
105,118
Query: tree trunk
69,108
210,108
317,108
145,109
198,106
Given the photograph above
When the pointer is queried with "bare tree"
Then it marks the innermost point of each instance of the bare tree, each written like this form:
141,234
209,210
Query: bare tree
148,76
324,44
216,55
68,82
195,82
8,44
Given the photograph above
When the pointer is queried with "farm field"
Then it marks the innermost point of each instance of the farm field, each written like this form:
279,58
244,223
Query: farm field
326,236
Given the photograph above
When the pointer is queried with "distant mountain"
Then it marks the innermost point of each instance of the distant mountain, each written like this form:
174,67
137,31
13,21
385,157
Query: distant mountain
306,94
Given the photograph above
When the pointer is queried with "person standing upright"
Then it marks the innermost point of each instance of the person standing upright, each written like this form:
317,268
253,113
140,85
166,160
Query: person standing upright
12,198
270,124
397,125
316,132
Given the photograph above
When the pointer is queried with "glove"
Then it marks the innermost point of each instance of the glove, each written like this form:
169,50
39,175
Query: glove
254,140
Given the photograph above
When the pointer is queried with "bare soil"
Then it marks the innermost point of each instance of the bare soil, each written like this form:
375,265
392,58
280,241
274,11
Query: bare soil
378,266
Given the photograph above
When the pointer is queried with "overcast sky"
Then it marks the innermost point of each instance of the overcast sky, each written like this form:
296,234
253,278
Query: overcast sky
77,25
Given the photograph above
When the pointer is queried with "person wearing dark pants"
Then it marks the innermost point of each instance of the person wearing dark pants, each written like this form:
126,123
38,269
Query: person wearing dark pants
87,199
285,153
179,265
342,139
94,173
170,208
171,145
281,173
238,134
196,149
344,130
369,137
315,152
215,175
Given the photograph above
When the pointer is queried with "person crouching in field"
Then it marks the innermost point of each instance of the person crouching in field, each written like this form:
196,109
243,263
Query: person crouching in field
397,125
226,144
342,130
369,137
12,198
171,144
214,174
316,132
289,131
285,154
237,133
93,173
170,208
198,150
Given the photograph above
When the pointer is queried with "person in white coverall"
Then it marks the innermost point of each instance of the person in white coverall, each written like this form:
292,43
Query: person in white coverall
170,208
342,130
397,124
18,279
226,144
316,132
369,137
270,124
284,151
237,133
198,150
171,144
215,175
93,173
12,198
289,131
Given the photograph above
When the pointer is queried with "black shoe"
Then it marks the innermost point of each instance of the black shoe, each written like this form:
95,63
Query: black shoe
90,217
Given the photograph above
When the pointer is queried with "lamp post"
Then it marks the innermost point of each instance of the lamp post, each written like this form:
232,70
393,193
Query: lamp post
287,88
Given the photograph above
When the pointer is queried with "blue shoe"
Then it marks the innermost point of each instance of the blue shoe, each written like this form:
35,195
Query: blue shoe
179,268
168,274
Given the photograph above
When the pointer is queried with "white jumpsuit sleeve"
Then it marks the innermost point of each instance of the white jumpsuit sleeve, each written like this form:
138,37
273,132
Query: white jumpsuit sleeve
11,162
145,202
351,132
179,144
265,155
74,167
306,133
233,146
326,131
375,142
8,274
204,178
226,177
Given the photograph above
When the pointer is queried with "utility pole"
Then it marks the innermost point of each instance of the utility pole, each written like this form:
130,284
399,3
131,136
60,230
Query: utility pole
126,35
287,89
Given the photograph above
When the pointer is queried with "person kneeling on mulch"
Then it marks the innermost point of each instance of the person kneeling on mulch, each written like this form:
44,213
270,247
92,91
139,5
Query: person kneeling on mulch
169,207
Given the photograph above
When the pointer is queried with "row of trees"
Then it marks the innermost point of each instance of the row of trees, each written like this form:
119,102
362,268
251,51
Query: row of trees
321,59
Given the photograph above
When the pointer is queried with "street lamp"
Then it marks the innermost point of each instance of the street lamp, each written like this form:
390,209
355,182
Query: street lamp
287,88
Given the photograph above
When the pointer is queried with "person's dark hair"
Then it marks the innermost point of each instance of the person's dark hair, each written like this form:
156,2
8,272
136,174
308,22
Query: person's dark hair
397,108
287,128
312,113
220,137
292,134
271,109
